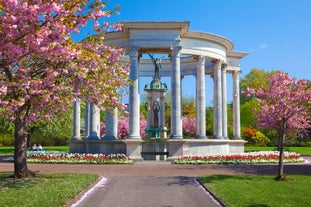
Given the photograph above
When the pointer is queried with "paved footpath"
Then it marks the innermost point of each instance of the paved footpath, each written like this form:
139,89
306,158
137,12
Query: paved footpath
153,184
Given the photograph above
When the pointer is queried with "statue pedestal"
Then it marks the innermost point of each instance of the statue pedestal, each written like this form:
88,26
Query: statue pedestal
154,149
155,107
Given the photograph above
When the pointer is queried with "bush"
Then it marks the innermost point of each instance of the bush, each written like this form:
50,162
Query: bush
6,140
255,137
123,127
260,139
51,141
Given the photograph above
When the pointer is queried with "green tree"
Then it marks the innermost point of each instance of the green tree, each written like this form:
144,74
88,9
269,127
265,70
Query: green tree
53,132
248,117
255,79
188,107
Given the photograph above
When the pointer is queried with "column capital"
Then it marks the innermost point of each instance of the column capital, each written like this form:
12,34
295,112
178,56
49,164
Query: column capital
133,51
235,74
200,59
175,51
224,67
218,63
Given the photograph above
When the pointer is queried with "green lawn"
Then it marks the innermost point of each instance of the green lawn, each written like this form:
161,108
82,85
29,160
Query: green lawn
261,191
43,190
299,150
10,150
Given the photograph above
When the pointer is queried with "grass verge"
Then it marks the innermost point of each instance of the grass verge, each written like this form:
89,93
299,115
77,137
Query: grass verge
299,150
240,191
10,150
43,190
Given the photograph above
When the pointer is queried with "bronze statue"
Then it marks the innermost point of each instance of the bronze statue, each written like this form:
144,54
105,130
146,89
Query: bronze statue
156,109
157,65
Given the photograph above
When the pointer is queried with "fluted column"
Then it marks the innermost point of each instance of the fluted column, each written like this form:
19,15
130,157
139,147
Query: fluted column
87,120
94,122
111,124
181,97
200,99
224,101
236,106
162,112
217,101
176,122
134,117
148,108
76,119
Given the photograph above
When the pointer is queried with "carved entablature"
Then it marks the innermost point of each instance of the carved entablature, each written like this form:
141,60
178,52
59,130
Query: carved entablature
171,39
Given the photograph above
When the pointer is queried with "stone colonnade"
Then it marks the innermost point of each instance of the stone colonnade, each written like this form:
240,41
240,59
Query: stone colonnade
92,122
191,53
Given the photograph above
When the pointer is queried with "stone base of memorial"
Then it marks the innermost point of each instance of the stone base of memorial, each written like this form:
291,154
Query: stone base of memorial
97,146
154,149
133,149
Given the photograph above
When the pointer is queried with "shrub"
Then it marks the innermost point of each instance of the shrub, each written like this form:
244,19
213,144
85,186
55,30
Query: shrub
308,144
6,140
260,139
188,126
255,137
123,127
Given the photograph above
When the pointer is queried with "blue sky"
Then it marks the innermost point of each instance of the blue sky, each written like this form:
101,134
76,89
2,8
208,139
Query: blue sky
276,33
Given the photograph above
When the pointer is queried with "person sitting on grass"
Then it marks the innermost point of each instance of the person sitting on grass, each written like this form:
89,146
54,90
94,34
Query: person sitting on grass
40,148
34,147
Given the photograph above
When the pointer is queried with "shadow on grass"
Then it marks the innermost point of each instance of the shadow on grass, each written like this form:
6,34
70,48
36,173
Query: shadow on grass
6,181
214,178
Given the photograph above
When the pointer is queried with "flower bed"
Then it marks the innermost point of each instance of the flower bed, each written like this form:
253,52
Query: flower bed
76,158
244,158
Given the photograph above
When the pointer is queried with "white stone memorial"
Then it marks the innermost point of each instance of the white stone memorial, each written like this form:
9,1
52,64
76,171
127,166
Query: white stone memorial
189,53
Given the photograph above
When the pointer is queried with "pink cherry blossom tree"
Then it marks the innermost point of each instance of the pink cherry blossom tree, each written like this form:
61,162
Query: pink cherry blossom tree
123,127
188,126
42,70
283,107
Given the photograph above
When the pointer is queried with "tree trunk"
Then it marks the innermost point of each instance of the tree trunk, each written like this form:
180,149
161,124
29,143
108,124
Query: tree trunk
280,175
20,149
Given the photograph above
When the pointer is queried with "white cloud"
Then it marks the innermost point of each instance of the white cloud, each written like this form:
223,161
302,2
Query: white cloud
263,46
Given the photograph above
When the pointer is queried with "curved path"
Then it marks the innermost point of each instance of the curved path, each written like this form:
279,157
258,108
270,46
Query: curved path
151,183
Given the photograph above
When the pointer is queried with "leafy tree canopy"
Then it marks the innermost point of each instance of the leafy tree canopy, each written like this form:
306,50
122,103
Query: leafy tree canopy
42,70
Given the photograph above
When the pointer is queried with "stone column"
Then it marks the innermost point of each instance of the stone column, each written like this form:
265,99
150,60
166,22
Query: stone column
236,105
224,101
134,109
94,122
162,112
217,101
176,122
87,120
200,99
181,79
111,124
76,119
148,108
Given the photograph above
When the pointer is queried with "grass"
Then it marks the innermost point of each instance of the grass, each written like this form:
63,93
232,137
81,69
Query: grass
10,150
261,191
299,150
43,190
